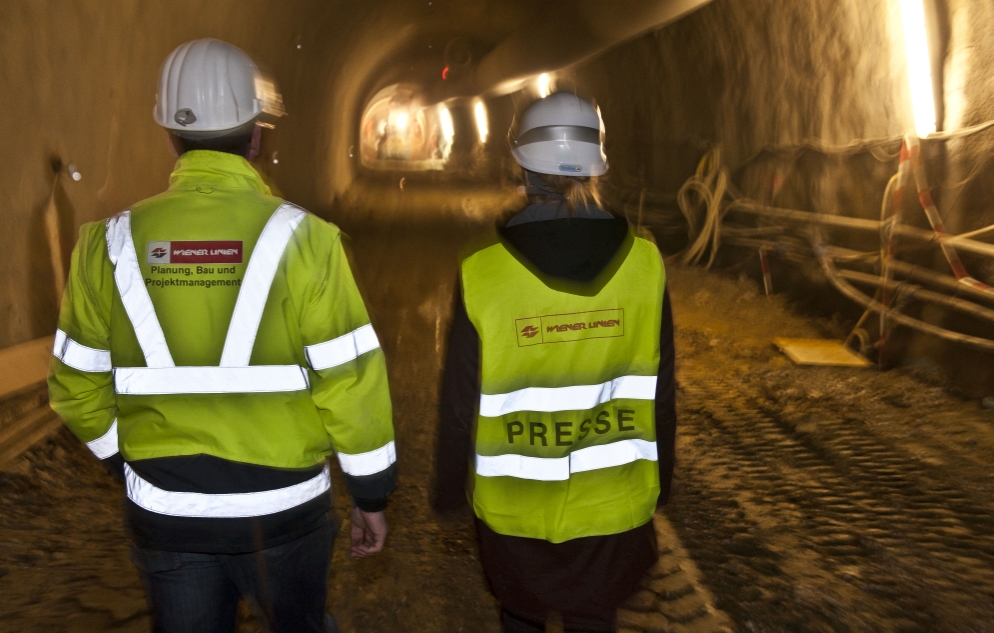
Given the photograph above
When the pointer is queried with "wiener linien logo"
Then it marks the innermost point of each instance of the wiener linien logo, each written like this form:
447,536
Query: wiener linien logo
575,326
195,252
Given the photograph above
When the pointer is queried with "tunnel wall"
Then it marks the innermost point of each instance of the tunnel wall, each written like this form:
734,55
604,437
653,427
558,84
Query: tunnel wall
748,74
772,83
79,81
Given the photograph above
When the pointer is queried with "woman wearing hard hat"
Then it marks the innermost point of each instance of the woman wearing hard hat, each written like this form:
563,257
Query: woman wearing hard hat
558,388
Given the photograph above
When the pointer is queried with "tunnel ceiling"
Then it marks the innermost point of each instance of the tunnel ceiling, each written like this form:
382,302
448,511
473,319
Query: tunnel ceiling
489,47
506,41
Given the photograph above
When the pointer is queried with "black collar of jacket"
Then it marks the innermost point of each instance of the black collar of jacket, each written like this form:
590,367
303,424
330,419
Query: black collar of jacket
578,255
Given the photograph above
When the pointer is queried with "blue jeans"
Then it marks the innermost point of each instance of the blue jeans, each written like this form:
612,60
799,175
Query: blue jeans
285,586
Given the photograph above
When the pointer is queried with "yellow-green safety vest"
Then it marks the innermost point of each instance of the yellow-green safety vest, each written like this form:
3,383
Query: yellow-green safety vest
565,435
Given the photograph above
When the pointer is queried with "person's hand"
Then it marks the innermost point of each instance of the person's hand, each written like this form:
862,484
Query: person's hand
369,531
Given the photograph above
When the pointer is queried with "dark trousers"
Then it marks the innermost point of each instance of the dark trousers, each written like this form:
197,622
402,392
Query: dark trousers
510,623
285,586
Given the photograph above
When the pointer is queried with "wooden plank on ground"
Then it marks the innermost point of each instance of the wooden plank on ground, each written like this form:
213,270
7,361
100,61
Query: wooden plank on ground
813,351
21,435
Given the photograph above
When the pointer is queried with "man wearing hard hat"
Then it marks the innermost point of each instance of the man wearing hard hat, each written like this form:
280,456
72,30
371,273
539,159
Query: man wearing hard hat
213,350
558,389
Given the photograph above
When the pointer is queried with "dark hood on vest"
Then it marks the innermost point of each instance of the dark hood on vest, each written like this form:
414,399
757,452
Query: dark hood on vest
572,247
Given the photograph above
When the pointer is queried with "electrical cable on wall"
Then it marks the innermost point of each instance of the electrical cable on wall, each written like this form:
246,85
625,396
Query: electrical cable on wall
707,197
709,184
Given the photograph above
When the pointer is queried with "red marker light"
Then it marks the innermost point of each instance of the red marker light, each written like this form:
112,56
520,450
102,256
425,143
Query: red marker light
445,73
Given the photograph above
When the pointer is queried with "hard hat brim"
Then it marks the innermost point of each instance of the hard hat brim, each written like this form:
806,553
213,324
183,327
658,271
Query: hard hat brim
549,157
194,134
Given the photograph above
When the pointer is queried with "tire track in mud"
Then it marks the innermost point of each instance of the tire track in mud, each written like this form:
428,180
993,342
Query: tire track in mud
834,530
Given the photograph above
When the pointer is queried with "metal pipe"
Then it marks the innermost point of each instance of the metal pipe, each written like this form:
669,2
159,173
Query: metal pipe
917,292
845,288
811,217
916,273
919,274
955,239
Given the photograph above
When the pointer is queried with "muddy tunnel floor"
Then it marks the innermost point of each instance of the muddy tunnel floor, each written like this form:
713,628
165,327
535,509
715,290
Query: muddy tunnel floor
805,499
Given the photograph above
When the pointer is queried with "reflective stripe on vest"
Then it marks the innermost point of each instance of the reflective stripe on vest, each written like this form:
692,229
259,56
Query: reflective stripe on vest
134,295
79,356
106,445
233,375
147,381
575,398
559,468
224,506
341,350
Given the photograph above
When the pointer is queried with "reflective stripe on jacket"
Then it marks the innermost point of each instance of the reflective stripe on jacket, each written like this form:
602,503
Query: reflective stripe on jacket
216,319
565,437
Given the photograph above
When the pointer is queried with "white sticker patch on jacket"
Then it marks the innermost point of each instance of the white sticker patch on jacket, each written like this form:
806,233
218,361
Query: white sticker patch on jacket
195,252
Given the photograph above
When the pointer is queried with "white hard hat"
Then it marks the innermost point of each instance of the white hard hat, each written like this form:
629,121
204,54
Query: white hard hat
209,88
560,134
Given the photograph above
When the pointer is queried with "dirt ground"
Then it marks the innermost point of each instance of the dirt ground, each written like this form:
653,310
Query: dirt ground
825,499
809,499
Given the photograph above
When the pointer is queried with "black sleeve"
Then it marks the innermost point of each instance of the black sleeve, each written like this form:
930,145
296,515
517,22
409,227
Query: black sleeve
369,492
457,408
666,402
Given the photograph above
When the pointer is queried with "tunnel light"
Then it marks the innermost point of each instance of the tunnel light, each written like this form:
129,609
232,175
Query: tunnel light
543,85
445,123
399,121
919,67
482,125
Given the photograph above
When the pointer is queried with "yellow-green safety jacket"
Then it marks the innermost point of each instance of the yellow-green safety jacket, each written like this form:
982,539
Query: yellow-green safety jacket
565,431
215,336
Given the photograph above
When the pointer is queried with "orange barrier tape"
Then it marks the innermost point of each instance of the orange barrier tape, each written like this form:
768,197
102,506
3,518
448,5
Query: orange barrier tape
932,213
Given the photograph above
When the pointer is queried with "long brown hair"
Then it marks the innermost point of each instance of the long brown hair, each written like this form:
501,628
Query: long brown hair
577,190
